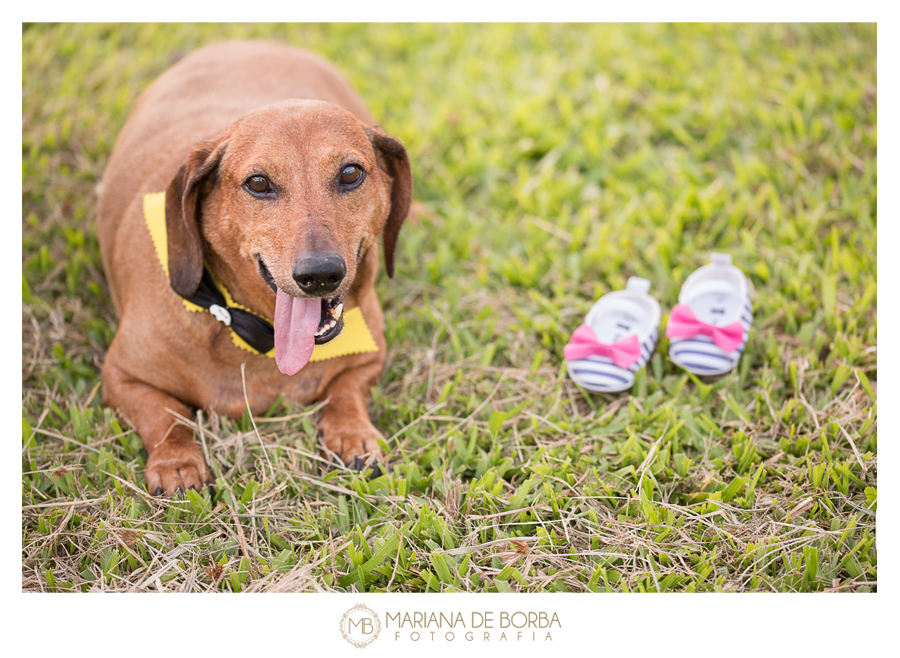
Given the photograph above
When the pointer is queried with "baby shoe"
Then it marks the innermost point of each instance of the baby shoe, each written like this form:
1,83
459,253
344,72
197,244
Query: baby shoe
616,339
709,327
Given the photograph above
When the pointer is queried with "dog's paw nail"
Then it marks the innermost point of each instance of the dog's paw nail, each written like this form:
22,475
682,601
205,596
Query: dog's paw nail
212,492
376,472
358,463
158,492
179,493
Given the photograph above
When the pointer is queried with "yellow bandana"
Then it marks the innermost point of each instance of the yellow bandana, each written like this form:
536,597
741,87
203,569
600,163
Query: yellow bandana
354,339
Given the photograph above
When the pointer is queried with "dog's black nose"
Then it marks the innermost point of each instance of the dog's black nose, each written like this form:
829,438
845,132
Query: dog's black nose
318,275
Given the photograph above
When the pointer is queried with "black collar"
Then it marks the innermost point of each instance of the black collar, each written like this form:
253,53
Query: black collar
252,329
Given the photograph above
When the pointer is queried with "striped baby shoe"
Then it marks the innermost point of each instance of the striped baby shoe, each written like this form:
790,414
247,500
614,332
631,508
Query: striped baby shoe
616,339
709,327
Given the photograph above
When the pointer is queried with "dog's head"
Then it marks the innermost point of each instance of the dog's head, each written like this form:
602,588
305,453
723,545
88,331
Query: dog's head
289,198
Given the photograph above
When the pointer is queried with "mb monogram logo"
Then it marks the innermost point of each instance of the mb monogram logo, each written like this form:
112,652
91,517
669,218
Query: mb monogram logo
360,626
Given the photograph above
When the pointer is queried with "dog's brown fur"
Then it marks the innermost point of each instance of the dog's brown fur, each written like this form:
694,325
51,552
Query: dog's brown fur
197,132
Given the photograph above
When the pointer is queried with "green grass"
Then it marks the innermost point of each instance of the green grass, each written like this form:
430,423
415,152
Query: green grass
551,163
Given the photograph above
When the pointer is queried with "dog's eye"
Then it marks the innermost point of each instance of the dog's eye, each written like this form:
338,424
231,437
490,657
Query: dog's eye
351,176
258,184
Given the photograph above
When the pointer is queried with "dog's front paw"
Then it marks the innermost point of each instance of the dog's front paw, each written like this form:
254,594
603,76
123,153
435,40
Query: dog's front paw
172,468
355,445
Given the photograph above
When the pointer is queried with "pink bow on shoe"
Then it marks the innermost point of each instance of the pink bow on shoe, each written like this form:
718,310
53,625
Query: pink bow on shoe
584,343
683,323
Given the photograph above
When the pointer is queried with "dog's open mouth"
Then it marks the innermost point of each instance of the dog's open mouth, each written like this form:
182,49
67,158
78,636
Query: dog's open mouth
331,316
332,321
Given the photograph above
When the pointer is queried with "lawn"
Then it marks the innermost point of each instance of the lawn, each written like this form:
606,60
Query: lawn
551,162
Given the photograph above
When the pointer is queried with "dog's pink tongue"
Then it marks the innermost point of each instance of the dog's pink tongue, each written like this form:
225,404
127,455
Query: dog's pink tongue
296,321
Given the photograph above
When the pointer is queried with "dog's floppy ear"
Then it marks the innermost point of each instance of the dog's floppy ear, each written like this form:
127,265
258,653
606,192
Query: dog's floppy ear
392,157
183,215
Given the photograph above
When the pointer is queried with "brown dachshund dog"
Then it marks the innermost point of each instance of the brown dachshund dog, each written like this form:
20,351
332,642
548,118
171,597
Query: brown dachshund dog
277,187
